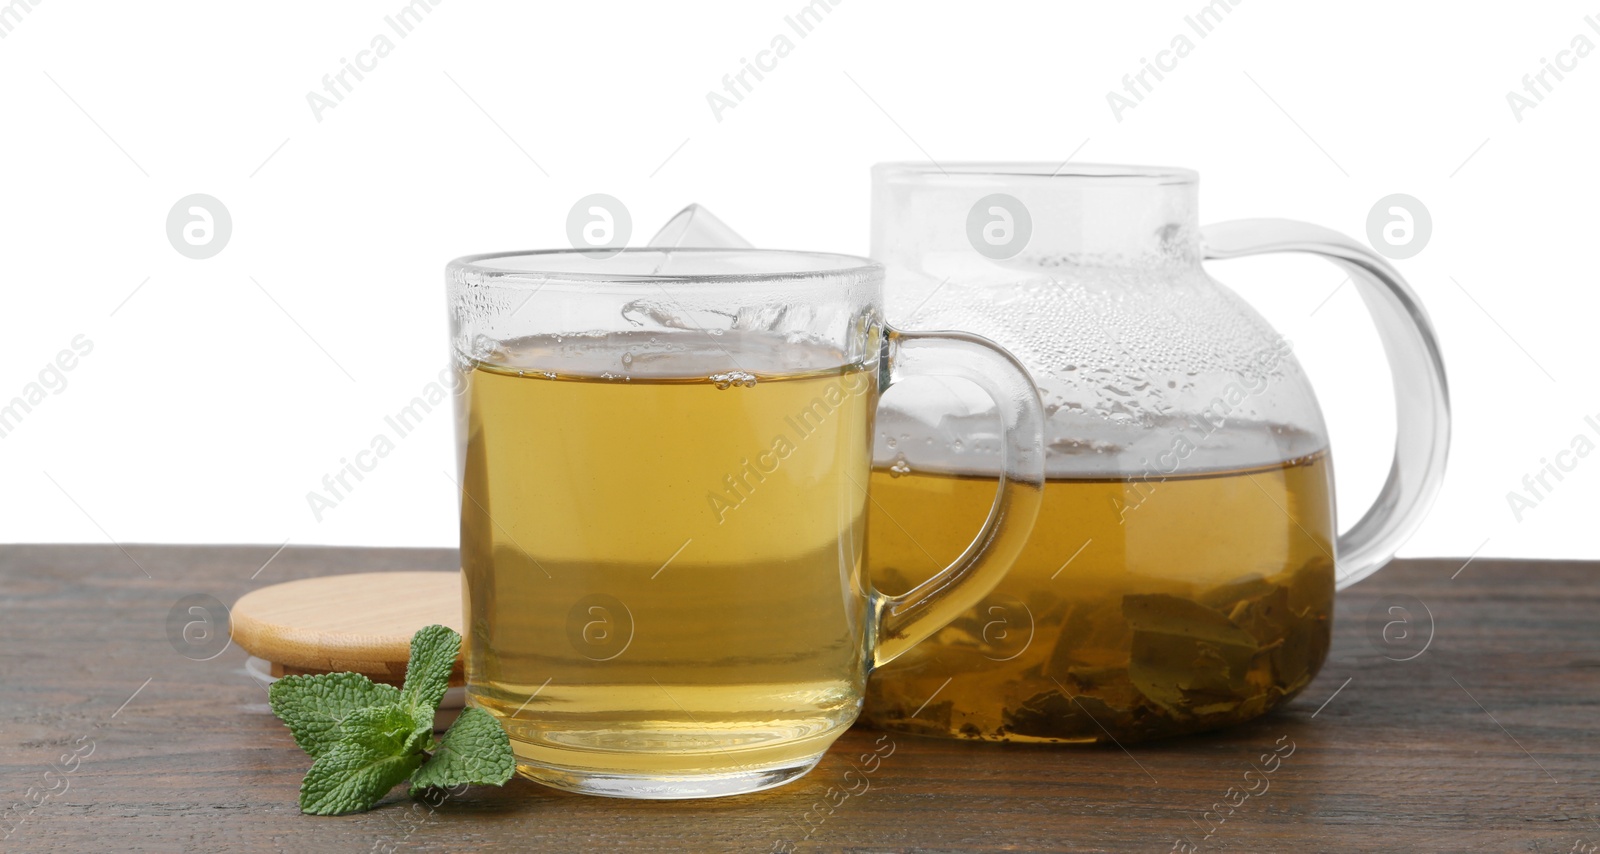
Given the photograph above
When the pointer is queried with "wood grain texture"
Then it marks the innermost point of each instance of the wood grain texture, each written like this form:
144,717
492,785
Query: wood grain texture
353,621
1487,740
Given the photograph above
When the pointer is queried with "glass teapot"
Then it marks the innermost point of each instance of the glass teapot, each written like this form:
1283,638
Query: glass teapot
1182,571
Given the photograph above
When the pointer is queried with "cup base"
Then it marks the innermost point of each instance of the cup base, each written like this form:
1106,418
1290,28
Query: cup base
667,787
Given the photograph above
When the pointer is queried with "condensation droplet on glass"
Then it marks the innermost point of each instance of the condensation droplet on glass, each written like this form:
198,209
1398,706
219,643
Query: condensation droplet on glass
627,358
900,466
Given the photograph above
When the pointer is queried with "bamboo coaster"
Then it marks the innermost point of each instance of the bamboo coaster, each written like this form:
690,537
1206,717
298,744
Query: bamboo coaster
360,622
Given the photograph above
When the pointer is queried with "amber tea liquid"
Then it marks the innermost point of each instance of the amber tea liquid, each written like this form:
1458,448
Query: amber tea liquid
662,565
1139,608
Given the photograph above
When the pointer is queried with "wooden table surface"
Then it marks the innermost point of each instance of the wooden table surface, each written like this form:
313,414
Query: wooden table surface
1487,738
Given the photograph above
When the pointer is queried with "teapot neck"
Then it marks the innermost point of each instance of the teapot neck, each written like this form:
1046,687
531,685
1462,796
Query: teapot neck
1139,218
1076,214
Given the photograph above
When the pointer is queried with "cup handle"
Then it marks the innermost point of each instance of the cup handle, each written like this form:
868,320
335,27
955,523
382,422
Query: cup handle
1422,399
906,619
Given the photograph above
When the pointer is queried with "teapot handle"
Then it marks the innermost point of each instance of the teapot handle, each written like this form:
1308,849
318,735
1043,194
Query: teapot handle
1422,400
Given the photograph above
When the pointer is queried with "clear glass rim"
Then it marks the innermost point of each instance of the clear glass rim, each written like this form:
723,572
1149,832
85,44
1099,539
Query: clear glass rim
931,172
624,267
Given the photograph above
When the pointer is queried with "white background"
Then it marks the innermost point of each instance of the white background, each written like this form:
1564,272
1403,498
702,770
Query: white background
221,391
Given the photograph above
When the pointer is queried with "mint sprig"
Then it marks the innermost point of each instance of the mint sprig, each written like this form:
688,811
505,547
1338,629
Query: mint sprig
368,738
470,752
433,655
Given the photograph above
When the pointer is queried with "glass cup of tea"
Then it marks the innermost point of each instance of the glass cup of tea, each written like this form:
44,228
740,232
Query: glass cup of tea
664,457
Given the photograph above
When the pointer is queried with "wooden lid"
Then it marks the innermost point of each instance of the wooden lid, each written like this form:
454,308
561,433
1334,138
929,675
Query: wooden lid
361,622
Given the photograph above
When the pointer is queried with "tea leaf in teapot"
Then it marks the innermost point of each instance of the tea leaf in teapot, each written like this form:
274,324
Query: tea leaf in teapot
1312,587
1092,680
1054,715
1046,715
1093,634
1109,685
1160,665
1159,613
1305,645
1190,659
1148,665
1223,596
936,716
1047,608
1266,617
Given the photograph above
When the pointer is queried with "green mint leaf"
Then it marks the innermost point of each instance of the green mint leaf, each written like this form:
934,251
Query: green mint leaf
475,750
420,739
368,738
315,707
371,757
433,655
